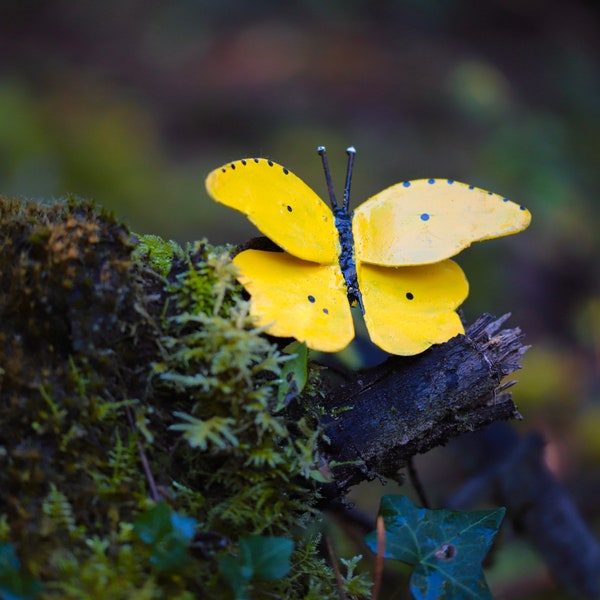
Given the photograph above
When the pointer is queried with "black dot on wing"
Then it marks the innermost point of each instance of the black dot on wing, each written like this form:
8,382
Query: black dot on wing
311,298
224,170
326,311
289,208
243,161
233,165
409,296
270,163
285,171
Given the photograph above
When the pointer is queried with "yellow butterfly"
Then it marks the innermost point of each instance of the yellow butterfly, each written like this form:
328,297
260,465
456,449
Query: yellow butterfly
389,255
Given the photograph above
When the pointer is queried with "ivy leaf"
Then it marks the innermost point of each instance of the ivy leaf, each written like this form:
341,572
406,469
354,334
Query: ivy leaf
270,556
14,584
446,546
168,534
259,557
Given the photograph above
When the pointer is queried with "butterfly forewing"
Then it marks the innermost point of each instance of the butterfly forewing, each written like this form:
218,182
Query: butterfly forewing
428,220
280,204
296,298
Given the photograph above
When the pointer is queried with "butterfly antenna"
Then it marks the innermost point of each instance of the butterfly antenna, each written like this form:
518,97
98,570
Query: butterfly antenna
323,154
351,151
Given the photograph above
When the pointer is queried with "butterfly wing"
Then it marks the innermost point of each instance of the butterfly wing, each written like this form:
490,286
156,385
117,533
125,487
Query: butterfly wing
428,220
280,204
296,298
407,309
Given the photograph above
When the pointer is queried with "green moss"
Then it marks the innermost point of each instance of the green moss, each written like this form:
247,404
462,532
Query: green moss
115,354
157,252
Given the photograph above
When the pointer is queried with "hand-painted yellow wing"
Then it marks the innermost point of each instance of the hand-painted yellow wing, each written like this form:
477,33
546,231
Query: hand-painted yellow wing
428,220
280,204
407,309
296,298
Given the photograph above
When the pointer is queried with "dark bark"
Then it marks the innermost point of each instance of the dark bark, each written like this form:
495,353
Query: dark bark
410,405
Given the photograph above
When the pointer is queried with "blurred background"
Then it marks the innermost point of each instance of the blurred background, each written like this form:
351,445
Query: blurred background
133,103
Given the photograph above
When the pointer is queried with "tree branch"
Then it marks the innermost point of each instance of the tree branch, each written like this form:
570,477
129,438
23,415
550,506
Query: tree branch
410,405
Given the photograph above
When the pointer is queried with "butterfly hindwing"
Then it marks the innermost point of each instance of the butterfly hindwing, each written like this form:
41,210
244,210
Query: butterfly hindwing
296,298
407,309
280,204
428,220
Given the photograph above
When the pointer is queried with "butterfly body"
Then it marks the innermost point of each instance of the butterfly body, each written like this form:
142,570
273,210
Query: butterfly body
343,224
389,256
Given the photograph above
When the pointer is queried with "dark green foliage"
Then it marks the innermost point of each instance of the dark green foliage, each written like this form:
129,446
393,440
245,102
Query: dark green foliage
168,534
262,558
446,547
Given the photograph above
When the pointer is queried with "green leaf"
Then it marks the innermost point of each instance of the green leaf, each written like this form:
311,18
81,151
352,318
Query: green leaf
447,547
185,527
15,585
294,374
237,575
269,556
259,557
9,561
154,524
168,534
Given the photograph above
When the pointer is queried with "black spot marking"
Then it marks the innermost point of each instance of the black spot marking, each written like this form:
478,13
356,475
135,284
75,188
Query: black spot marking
409,296
243,161
285,171
224,170
311,299
233,165
289,208
326,311
270,163
256,160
